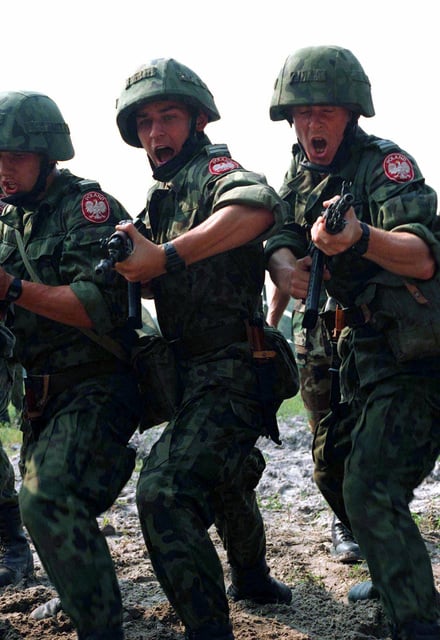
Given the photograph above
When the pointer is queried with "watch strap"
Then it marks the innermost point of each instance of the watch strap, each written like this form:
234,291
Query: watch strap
14,291
173,261
361,246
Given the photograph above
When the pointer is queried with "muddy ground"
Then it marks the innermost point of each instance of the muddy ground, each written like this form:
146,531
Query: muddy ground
299,553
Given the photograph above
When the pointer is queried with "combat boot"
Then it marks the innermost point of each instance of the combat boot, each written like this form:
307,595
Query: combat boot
363,591
16,562
416,631
257,585
211,632
345,547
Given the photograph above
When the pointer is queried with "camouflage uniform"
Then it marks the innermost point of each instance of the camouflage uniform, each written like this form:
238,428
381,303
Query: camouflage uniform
204,467
199,458
313,356
77,459
317,76
393,414
7,477
16,560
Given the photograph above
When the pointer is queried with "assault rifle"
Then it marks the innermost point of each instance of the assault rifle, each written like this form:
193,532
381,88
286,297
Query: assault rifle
117,248
334,223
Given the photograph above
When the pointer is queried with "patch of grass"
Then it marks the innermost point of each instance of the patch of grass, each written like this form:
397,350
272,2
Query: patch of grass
292,407
10,437
272,503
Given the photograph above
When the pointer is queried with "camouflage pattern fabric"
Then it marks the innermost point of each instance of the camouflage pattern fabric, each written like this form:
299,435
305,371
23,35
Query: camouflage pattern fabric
7,479
76,458
321,75
374,457
313,357
387,433
195,475
33,123
7,476
161,79
64,247
199,471
75,470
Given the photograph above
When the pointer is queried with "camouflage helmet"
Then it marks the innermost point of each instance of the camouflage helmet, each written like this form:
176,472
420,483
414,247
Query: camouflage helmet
161,79
321,75
32,122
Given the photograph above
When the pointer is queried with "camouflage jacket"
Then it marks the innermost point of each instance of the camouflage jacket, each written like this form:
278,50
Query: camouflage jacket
62,241
389,193
224,288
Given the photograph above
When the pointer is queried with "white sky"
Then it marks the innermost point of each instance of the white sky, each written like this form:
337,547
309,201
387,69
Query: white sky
80,53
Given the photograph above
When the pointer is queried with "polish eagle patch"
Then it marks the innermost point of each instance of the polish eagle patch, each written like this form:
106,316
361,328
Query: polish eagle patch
398,167
220,165
95,207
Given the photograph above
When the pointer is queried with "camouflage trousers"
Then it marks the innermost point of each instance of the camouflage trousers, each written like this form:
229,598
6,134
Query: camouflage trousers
313,357
74,471
383,449
7,477
203,471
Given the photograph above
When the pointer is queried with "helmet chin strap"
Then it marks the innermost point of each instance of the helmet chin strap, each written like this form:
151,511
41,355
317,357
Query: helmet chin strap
29,198
166,171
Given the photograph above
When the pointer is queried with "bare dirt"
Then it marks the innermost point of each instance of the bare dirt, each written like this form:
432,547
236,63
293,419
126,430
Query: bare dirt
299,553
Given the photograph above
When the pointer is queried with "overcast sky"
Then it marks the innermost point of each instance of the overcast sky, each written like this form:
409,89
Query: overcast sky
81,52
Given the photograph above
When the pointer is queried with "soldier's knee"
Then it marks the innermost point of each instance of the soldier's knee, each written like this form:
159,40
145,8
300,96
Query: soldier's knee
29,508
149,492
357,493
252,468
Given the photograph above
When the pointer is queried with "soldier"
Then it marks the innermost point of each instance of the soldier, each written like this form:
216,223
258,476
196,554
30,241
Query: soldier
201,253
313,351
16,560
368,463
81,401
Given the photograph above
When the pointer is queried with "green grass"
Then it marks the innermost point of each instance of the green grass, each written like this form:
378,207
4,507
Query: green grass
292,407
10,436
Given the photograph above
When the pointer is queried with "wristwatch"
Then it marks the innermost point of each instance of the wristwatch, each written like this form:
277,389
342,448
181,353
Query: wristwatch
361,246
14,291
173,261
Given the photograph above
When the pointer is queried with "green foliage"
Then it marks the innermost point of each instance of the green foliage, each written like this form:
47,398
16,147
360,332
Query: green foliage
292,407
10,438
271,503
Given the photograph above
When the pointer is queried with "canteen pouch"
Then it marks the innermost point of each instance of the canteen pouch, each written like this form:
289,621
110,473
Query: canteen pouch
276,371
286,376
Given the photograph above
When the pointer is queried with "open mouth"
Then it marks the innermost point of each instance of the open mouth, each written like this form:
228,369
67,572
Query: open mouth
164,154
319,145
8,187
